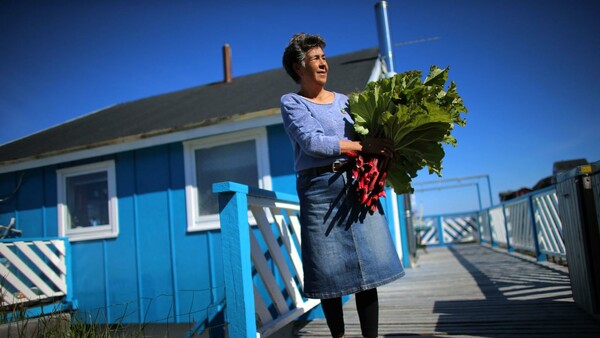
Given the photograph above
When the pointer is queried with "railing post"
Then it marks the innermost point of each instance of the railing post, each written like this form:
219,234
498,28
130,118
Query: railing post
237,265
489,189
479,197
509,247
540,256
69,277
440,230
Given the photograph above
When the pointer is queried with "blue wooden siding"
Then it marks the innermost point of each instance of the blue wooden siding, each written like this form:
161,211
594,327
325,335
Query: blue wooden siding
34,200
281,158
8,183
155,270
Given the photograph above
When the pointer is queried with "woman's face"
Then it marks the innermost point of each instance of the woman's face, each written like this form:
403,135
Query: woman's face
315,67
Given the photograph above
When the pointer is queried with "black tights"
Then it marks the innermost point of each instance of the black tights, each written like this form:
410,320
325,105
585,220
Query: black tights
367,306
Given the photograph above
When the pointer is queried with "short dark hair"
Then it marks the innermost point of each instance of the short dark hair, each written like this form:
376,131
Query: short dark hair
296,50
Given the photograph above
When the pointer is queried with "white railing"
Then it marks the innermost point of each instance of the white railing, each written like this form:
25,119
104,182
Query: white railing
529,223
485,234
447,229
33,270
518,219
499,227
550,226
264,302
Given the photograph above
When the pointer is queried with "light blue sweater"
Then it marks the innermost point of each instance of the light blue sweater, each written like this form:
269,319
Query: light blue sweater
316,129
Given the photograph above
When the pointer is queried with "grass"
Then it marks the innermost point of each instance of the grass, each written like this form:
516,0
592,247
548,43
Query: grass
14,322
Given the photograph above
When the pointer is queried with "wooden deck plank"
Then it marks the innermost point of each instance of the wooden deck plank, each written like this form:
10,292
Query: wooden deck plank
473,291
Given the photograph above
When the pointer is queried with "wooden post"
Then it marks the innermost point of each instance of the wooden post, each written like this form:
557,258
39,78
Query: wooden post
237,265
440,230
69,267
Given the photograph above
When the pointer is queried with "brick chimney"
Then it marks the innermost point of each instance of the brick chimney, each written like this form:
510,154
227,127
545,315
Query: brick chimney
227,63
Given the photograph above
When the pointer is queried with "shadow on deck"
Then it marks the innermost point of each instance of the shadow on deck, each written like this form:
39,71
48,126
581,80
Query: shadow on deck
471,290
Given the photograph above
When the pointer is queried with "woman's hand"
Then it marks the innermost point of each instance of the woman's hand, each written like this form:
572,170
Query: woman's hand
375,146
378,146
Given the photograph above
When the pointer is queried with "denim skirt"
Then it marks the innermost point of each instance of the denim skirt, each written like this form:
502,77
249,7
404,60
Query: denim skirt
344,248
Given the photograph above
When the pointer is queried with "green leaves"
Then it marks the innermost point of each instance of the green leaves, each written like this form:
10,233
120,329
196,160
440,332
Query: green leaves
417,115
436,77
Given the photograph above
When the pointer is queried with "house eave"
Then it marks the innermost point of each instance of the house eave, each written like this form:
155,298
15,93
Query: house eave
203,128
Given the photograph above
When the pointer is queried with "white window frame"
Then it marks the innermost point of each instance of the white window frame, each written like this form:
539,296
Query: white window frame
110,230
196,222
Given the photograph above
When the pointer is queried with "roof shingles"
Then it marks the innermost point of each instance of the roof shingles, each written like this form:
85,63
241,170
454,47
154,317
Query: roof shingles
184,109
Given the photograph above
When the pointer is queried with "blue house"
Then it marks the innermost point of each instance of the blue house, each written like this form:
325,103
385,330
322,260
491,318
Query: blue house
130,186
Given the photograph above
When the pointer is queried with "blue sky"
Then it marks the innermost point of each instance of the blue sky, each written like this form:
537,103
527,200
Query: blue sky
526,69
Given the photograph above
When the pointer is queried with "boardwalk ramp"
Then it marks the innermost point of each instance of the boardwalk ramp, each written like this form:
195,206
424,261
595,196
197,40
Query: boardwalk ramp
473,291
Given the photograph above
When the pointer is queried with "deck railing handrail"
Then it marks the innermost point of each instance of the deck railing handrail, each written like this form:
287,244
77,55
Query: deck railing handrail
529,223
446,229
272,297
34,271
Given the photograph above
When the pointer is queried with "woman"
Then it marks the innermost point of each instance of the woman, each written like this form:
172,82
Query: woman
345,250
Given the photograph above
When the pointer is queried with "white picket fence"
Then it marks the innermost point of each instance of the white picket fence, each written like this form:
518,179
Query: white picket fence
529,223
33,270
282,216
262,265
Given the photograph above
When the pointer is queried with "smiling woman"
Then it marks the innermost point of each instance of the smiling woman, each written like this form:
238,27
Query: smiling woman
314,67
345,249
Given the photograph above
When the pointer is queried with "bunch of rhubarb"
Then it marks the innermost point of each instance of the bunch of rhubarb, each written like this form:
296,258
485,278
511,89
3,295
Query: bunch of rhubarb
418,116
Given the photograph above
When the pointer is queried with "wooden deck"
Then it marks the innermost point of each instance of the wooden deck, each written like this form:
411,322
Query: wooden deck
473,291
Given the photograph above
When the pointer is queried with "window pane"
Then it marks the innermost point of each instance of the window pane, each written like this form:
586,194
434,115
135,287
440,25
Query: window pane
87,200
231,162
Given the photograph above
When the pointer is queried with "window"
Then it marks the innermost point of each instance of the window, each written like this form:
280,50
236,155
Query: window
87,201
238,157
